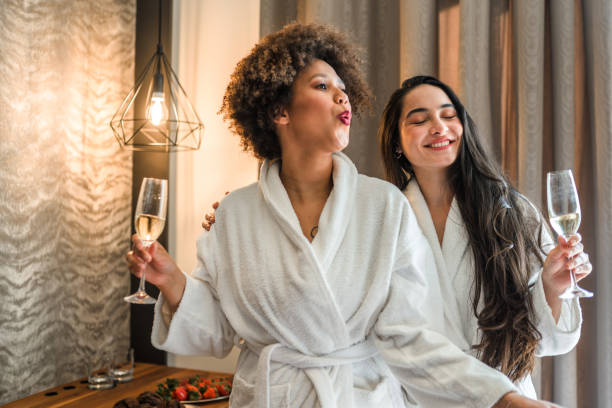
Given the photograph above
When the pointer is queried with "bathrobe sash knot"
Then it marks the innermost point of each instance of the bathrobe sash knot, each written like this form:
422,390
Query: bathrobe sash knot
313,367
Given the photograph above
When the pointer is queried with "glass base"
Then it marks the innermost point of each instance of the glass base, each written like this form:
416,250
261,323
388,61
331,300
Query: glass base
575,292
140,298
122,375
100,382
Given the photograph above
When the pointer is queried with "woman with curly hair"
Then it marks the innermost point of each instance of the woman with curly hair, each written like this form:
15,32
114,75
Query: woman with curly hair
500,280
315,271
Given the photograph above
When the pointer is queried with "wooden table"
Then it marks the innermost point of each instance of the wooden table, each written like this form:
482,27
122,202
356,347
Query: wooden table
77,394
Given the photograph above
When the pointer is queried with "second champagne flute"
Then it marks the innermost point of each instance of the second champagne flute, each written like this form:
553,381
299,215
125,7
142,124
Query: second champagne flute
564,214
149,220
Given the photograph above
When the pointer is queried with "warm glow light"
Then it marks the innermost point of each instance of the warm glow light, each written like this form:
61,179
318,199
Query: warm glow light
157,109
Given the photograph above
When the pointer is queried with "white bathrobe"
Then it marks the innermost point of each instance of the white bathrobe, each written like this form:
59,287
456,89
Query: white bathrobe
322,323
455,263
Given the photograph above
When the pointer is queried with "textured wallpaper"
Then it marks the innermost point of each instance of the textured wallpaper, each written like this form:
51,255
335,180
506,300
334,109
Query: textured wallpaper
65,188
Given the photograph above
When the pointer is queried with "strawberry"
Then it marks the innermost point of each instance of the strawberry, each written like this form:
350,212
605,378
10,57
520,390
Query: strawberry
179,394
210,393
223,389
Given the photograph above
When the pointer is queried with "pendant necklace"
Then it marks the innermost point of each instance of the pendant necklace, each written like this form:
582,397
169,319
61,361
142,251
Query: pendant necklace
314,231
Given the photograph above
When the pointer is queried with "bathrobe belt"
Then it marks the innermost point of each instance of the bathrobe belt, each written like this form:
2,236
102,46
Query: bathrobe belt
313,367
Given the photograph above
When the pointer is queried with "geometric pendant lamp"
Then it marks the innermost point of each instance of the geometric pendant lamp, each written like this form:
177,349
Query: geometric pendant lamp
156,114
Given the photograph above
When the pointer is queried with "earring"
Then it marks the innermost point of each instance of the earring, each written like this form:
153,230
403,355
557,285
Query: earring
398,154
407,173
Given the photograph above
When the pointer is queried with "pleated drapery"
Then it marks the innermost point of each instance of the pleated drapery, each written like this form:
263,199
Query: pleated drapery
535,75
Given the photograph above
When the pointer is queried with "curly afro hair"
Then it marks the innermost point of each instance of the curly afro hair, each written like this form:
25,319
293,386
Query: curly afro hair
261,83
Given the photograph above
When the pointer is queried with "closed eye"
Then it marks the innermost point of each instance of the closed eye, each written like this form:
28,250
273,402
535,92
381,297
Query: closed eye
448,113
419,120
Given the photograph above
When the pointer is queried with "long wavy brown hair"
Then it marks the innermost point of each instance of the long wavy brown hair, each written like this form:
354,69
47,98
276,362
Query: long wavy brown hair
505,236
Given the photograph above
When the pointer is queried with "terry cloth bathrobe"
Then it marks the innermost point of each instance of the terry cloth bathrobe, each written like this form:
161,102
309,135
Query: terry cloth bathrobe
456,277
322,323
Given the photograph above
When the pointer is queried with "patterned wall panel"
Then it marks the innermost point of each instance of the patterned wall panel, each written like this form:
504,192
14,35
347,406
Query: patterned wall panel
65,188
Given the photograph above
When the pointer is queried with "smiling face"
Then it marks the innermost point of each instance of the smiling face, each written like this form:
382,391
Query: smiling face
429,128
318,117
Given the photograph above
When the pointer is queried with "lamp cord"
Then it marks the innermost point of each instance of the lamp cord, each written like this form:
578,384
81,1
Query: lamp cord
159,25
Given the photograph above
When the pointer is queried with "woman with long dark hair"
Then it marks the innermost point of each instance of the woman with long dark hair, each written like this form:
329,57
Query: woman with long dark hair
499,271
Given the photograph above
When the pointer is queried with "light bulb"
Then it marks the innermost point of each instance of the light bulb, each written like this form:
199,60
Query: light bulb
157,109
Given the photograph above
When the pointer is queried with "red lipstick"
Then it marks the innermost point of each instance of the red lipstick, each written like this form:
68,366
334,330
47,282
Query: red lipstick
345,117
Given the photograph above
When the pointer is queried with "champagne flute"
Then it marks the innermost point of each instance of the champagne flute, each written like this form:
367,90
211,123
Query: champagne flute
150,218
564,215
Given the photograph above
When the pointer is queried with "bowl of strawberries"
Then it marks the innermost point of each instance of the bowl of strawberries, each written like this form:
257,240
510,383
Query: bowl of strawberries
197,389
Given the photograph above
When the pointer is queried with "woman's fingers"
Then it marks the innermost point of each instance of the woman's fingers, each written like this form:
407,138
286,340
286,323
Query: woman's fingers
557,256
575,250
139,249
581,266
572,240
583,271
567,250
578,260
135,263
133,259
209,220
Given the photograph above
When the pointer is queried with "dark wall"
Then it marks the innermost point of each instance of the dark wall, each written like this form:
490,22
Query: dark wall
148,164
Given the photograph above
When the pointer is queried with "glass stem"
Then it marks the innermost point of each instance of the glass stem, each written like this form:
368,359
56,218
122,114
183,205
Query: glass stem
141,285
574,285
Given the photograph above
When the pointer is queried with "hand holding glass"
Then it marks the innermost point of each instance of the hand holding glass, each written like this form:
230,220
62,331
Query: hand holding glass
150,218
564,215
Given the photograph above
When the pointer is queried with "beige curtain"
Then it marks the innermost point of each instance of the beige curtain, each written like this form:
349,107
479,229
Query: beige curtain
535,75
65,189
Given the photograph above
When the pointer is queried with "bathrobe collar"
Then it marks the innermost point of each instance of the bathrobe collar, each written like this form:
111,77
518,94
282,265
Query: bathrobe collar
448,256
336,214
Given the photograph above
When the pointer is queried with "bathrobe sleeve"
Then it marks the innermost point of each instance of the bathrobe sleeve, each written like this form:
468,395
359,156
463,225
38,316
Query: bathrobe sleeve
433,370
557,337
199,326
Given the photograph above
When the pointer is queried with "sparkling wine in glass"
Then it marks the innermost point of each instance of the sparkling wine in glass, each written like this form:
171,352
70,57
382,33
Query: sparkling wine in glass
564,215
150,218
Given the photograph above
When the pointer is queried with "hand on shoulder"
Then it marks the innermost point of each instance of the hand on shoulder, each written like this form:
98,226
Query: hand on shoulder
209,218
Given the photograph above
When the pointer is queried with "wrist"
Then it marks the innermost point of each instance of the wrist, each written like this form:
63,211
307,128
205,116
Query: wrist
513,399
553,300
550,289
173,290
506,400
